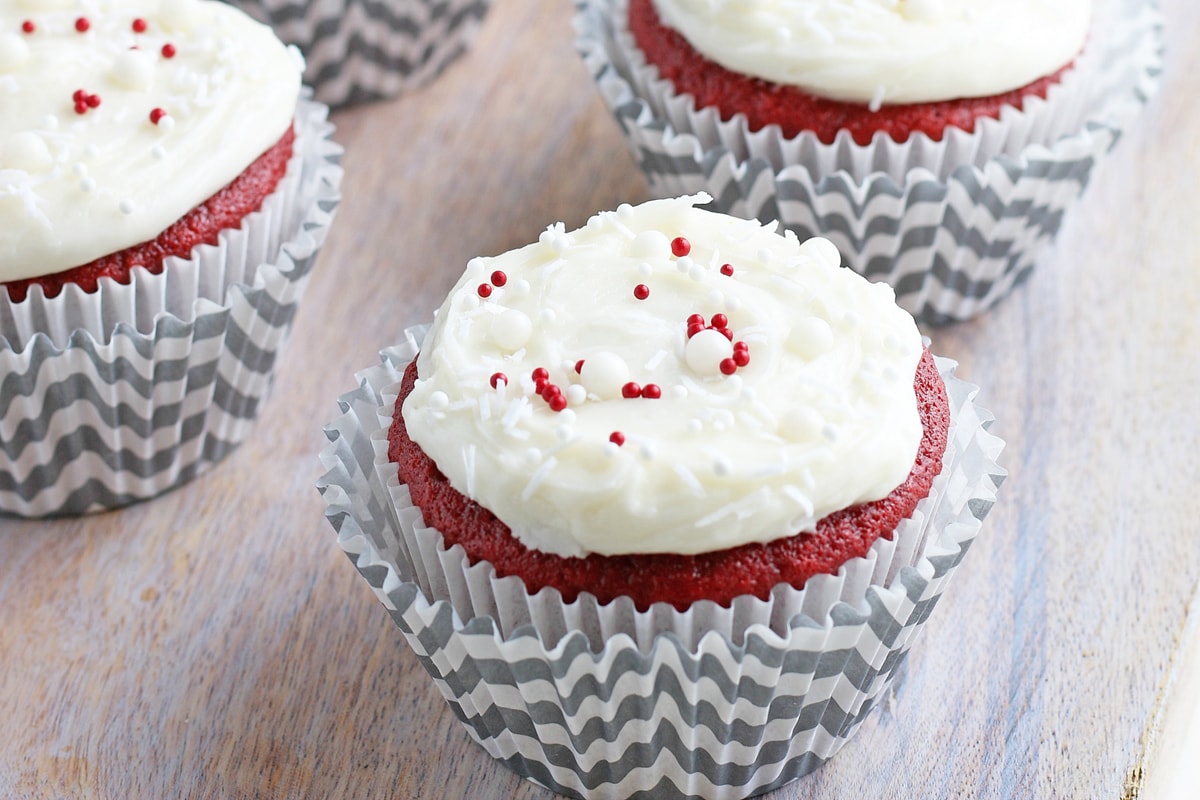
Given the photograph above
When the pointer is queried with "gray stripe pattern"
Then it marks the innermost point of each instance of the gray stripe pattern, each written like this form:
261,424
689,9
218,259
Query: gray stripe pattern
951,248
718,720
96,425
362,50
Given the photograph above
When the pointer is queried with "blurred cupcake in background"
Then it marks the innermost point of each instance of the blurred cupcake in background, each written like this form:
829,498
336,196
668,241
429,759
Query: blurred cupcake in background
937,144
362,50
661,503
165,184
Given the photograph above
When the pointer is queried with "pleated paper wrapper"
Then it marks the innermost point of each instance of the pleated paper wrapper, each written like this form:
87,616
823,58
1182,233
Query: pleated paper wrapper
362,50
604,701
953,225
116,396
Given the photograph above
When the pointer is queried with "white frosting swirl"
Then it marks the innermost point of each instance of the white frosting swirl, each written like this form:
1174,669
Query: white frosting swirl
886,51
76,186
823,415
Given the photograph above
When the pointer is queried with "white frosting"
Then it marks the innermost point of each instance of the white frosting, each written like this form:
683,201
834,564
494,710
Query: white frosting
76,186
886,51
823,415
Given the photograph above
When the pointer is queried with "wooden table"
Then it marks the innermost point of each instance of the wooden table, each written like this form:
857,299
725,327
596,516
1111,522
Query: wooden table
215,642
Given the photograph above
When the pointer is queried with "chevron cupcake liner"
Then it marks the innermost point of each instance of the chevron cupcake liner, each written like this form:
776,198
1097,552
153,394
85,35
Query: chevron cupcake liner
96,413
363,50
604,701
953,226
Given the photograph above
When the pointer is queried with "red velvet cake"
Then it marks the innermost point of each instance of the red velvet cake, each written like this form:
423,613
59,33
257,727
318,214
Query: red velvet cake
224,210
796,110
671,578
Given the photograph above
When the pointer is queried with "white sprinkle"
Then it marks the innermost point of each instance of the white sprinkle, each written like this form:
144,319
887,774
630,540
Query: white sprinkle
166,123
563,432
733,304
716,298
87,184
439,400
567,416
646,451
679,392
79,168
576,394
126,206
799,497
50,122
690,480
469,463
476,265
830,432
694,425
610,449
158,152
696,272
644,269
533,456
538,476
721,467
519,287
656,359
549,315
625,211
764,255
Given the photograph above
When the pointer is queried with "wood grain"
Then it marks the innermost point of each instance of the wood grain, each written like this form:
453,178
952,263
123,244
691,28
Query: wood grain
214,642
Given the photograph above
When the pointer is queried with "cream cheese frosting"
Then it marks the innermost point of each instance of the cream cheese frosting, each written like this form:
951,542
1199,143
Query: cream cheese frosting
886,51
120,117
711,383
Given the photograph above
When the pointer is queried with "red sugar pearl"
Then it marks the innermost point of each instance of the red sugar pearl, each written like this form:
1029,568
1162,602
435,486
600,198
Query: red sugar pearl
157,114
168,50
557,403
484,290
728,366
741,357
550,391
81,107
680,246
579,367
641,291
617,438
727,269
499,278
695,319
719,321
728,334
28,27
694,328
139,25
82,24
631,390
540,374
93,100
498,378
79,96
651,391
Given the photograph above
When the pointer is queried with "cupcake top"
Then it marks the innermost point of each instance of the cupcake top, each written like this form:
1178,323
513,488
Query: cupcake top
667,380
886,51
120,117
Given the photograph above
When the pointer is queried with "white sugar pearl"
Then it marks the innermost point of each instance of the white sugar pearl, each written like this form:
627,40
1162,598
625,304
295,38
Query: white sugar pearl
604,374
439,400
650,244
721,467
810,337
576,394
26,151
133,70
126,206
511,329
14,52
706,350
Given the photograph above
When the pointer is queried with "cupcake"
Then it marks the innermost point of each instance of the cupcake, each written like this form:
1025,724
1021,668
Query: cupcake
166,184
661,503
358,51
936,144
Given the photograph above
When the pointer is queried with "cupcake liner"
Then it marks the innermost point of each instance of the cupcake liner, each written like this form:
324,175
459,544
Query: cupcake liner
603,701
97,413
362,50
952,225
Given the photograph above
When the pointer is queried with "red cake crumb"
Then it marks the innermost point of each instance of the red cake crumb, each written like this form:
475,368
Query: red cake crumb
664,577
794,110
223,211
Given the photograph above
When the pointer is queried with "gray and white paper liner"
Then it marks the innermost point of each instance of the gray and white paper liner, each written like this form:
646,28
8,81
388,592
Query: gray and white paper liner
363,50
952,226
99,413
603,701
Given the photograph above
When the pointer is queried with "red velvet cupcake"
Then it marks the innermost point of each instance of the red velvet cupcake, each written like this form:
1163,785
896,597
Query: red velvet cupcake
165,189
660,503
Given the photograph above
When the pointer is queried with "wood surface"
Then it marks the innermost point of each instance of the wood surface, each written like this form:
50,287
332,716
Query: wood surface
215,642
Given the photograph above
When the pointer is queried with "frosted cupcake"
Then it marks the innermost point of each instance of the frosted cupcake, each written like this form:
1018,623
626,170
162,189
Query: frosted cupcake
165,189
673,454
359,51
936,144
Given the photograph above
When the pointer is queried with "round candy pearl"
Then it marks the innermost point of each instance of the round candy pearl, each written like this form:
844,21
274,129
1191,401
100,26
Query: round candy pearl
511,329
604,374
810,337
14,52
133,70
25,150
706,350
650,244
822,251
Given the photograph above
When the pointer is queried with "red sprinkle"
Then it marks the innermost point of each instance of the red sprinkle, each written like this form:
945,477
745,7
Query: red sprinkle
727,269
728,366
499,278
540,374
82,24
550,391
81,107
168,50
617,438
719,321
93,100
740,346
579,367
695,319
540,384
79,96
631,390
28,27
484,290
139,25
741,357
651,391
680,246
641,291
558,402
695,328
156,114
728,333
498,378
